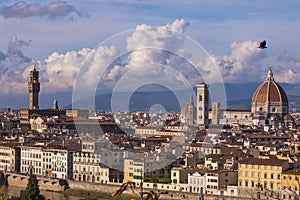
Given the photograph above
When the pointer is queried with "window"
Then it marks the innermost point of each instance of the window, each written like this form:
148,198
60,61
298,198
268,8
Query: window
265,184
272,176
246,183
278,176
252,184
265,175
272,185
241,173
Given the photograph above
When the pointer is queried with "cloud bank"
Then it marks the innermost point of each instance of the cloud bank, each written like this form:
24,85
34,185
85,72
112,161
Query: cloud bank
53,10
244,63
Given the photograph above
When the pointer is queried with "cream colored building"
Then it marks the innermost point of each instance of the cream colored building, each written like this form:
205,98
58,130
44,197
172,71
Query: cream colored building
61,163
262,174
146,130
47,162
32,160
290,184
38,124
196,182
9,157
77,113
205,148
88,168
135,169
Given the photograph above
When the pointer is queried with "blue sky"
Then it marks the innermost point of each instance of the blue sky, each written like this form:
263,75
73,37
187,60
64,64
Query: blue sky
228,30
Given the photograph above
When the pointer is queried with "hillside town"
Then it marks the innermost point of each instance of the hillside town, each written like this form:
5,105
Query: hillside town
204,149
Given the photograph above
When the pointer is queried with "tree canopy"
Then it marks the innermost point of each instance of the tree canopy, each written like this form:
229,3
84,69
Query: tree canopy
32,191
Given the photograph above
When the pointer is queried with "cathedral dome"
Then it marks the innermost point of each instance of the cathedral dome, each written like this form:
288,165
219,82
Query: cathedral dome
269,91
269,98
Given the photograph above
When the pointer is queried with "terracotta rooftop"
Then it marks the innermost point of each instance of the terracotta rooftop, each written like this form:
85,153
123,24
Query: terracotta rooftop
294,171
258,161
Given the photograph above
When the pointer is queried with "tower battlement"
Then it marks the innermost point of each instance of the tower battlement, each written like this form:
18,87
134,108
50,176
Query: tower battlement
34,89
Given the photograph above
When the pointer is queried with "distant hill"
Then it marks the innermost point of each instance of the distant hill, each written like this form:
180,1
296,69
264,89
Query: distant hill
238,97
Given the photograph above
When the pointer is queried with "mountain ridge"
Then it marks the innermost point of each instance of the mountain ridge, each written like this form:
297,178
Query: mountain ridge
238,96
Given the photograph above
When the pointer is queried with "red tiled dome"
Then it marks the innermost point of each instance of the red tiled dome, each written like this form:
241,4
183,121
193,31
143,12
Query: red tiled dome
269,91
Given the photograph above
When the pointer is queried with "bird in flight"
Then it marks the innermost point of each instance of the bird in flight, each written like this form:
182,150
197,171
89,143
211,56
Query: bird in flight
263,44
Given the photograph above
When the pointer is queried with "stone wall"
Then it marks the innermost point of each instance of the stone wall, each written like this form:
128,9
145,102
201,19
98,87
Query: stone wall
47,184
20,180
172,195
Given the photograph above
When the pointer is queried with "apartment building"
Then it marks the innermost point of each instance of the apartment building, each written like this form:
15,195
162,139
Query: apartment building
61,163
196,182
10,157
290,184
88,168
262,174
32,160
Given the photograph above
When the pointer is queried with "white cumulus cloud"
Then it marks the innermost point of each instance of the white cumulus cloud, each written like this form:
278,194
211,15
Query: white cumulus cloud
148,48
53,10
244,64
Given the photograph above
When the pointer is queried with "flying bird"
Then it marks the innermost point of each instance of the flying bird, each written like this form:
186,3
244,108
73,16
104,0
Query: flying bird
263,44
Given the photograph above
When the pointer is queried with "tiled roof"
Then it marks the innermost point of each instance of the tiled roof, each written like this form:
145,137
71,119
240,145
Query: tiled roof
294,171
258,161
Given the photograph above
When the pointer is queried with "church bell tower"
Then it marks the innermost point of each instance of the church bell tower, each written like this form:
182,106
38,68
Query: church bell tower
34,89
202,104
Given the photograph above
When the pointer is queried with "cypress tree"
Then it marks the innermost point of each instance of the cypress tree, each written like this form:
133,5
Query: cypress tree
32,191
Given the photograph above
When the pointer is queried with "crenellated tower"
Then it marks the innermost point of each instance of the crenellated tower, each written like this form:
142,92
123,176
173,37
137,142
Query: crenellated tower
34,89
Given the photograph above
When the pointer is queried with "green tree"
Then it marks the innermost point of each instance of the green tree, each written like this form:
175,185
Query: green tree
3,192
32,191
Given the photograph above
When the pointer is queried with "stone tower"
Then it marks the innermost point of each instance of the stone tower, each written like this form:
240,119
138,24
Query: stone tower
34,89
202,104
191,111
215,113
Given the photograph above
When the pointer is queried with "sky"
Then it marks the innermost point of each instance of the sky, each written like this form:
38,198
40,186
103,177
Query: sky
71,41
